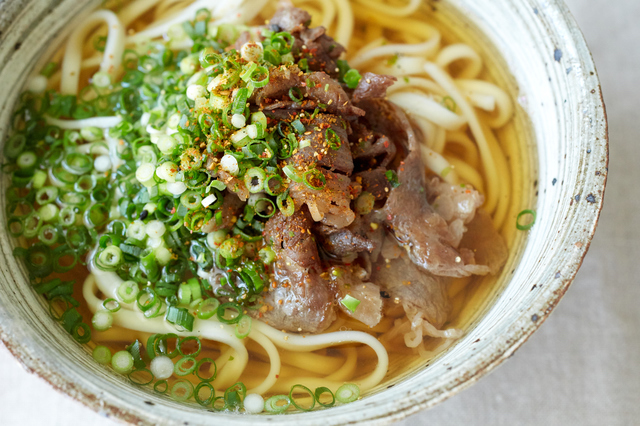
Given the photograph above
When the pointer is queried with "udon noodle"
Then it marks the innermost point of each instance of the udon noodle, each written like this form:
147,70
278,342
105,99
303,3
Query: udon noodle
443,89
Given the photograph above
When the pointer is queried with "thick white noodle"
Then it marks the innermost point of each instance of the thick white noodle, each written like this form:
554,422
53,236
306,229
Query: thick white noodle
344,27
101,122
223,11
134,10
328,10
488,163
300,343
394,11
111,59
423,106
439,165
263,334
503,102
425,49
457,52
416,82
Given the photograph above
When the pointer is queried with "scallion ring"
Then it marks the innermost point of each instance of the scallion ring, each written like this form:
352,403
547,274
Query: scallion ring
254,179
221,312
347,393
184,352
207,308
243,327
198,369
211,394
182,390
185,366
314,179
298,389
526,226
333,140
277,404
321,391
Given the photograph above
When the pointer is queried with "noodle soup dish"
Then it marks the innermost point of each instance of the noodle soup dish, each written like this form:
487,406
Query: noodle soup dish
260,207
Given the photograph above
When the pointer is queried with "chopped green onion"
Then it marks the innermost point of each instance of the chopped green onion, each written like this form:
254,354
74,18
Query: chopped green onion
285,204
141,376
211,394
182,390
333,140
314,179
180,317
185,366
102,354
254,179
182,342
102,320
161,386
295,94
243,327
347,393
291,173
392,177
207,308
235,318
127,292
303,389
352,78
122,362
321,391
198,368
111,305
277,404
350,302
528,225
109,258
231,248
146,299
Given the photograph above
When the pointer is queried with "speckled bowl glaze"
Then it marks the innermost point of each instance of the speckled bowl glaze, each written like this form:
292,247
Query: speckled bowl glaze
556,85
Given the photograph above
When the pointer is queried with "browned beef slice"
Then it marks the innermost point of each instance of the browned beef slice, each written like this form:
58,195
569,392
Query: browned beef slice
322,92
291,19
230,210
292,237
419,292
332,204
372,86
320,50
342,242
375,182
301,300
417,227
485,242
329,145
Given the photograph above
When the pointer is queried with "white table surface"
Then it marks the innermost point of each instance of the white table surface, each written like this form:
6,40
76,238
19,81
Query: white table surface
582,367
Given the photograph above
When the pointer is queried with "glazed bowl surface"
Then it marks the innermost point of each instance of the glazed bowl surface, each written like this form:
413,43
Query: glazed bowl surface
562,121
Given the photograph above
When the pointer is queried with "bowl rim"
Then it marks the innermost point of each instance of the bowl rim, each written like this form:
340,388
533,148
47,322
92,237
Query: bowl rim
64,384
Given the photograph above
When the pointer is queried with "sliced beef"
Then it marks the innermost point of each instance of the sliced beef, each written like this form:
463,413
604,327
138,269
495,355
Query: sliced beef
301,300
292,237
369,149
375,182
424,234
487,245
290,19
330,205
372,86
342,242
423,297
316,89
454,203
313,44
328,145
320,50
346,281
230,210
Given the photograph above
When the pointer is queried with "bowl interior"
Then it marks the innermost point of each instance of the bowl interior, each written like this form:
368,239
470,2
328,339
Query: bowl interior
560,122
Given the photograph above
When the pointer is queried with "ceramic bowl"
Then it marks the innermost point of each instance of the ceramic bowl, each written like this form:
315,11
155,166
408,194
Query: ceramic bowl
553,77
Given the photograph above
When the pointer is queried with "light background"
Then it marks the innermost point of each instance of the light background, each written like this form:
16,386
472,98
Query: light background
581,367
